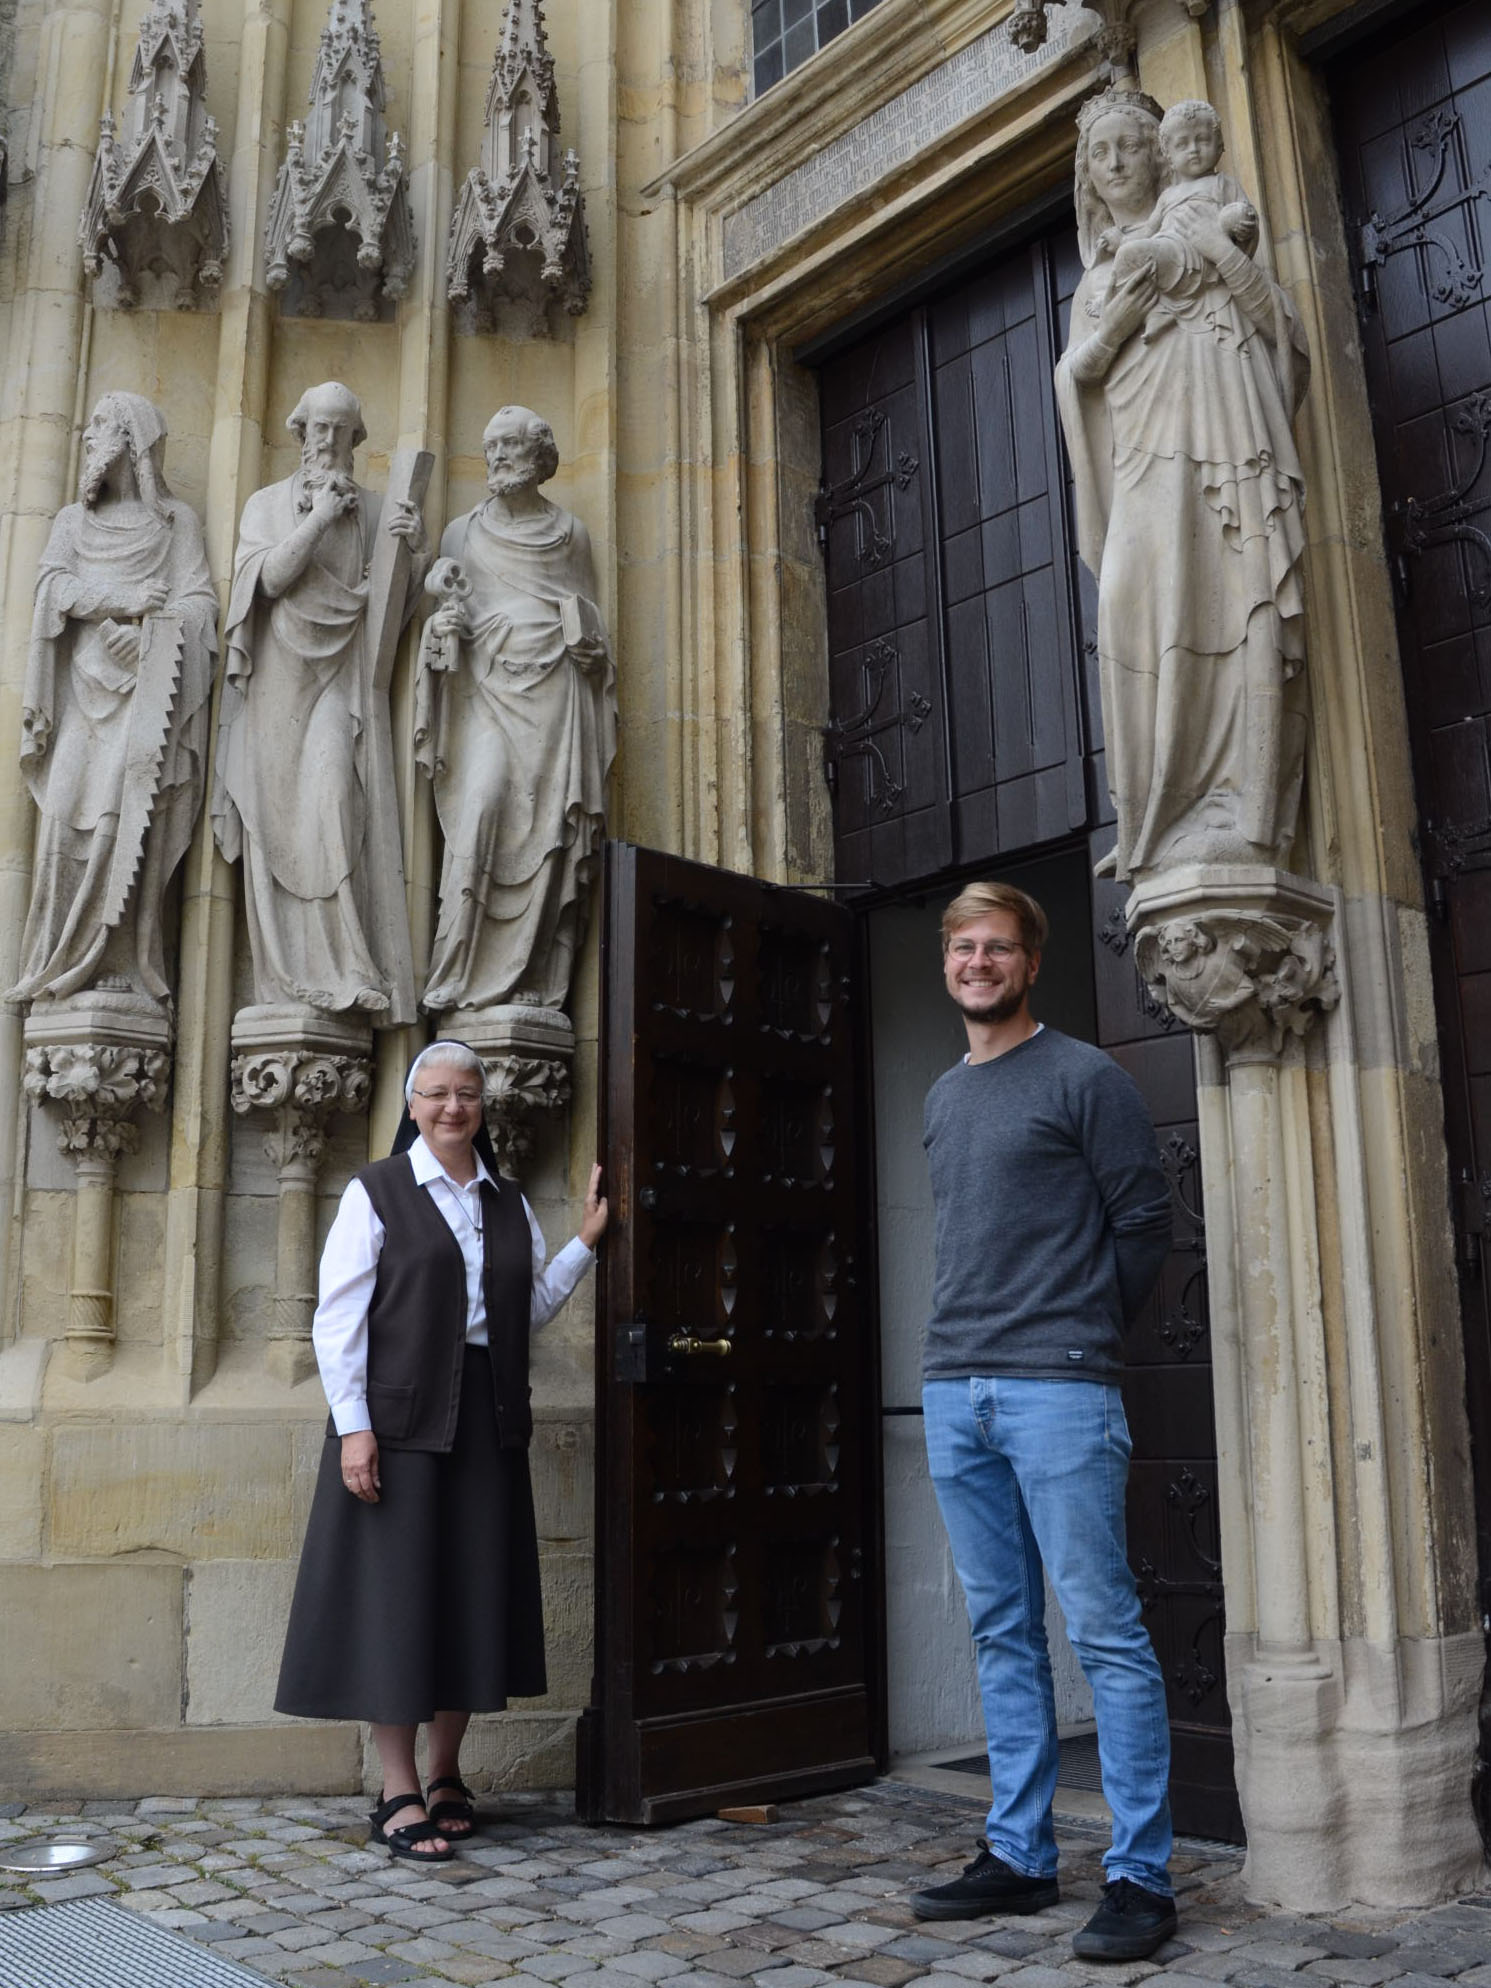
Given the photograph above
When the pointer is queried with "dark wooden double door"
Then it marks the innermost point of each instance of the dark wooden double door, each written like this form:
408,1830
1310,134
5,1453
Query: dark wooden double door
1413,126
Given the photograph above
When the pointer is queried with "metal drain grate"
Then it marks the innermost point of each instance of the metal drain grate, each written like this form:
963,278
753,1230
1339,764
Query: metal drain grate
91,1943
1079,1764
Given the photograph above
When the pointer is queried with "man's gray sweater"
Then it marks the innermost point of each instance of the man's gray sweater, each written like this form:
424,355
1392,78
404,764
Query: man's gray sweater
1053,1213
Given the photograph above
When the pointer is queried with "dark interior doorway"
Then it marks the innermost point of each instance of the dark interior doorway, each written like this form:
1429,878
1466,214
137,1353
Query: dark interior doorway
965,737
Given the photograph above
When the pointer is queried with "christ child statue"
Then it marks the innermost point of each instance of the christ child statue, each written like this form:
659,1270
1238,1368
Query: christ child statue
1196,200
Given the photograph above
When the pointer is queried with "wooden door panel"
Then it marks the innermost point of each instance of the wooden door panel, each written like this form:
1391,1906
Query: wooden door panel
1413,127
886,740
736,1472
955,698
1173,1529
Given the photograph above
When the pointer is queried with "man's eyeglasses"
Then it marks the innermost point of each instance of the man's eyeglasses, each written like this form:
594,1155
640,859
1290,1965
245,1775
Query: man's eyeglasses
986,948
444,1097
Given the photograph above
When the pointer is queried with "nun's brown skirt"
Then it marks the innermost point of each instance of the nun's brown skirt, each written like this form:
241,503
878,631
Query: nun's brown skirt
429,1600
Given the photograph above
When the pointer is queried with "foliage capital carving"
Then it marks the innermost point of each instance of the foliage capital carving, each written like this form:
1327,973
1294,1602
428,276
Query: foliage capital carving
519,1089
1252,966
99,1088
305,1089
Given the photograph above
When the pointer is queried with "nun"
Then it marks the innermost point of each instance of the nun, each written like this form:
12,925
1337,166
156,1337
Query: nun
417,1601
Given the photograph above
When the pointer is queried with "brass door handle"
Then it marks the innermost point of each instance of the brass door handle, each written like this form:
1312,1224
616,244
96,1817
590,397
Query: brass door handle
685,1342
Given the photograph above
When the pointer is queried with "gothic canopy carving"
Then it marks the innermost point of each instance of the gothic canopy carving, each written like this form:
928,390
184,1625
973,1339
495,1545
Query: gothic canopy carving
517,237
157,208
340,239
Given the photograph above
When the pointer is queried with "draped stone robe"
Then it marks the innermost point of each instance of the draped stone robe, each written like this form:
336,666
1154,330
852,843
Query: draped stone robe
1189,501
518,739
114,753
294,748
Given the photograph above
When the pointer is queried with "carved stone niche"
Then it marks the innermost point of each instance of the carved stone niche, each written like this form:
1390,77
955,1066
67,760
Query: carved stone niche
96,1060
300,1068
527,1052
155,223
517,236
340,237
1238,952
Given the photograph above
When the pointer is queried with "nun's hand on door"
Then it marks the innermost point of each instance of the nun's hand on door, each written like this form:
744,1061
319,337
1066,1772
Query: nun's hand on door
597,1211
360,1465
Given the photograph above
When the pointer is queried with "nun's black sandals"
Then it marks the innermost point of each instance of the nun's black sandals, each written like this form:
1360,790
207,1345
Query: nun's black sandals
401,1842
457,1810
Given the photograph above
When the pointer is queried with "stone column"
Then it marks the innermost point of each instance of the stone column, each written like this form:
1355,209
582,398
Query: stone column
100,1059
527,1052
1244,954
1354,1738
45,357
300,1068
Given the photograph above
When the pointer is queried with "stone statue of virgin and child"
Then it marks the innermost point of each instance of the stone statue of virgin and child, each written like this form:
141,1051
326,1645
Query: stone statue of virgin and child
1182,374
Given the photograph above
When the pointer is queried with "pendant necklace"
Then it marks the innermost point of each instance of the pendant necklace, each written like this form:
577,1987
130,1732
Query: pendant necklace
474,1222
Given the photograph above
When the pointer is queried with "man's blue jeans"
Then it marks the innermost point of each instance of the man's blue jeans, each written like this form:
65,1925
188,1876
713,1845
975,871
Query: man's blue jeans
1028,1472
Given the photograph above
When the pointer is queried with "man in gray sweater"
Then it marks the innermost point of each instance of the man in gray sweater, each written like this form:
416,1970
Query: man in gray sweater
1053,1219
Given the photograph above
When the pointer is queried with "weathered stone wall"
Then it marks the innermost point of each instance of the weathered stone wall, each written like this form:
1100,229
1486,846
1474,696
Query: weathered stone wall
150,1519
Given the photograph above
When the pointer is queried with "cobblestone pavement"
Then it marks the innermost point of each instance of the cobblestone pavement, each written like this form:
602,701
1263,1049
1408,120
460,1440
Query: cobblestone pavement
288,1889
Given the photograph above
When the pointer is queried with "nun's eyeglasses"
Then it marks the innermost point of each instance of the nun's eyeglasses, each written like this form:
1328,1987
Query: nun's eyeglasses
444,1097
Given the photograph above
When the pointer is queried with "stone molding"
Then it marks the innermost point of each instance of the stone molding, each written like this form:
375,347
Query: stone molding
157,206
1240,953
342,182
517,236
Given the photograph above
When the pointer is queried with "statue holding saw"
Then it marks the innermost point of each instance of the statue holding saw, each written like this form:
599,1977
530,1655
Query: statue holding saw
114,715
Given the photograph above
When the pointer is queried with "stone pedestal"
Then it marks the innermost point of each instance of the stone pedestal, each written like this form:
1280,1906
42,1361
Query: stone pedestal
300,1067
99,1059
1238,951
527,1051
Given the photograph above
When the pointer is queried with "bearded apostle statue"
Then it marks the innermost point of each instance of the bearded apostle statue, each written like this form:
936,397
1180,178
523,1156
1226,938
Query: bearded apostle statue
515,724
114,717
304,772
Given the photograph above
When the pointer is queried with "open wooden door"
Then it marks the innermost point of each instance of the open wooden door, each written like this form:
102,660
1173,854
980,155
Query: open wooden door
738,1616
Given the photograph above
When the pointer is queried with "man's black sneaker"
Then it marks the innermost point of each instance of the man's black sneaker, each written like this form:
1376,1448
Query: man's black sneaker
987,1886
1129,1924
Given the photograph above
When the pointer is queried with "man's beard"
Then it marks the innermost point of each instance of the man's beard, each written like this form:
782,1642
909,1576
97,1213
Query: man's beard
318,467
96,466
1000,1007
502,482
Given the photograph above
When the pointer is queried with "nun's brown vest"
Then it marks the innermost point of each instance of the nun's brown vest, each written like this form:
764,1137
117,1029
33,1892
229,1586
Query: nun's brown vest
417,1317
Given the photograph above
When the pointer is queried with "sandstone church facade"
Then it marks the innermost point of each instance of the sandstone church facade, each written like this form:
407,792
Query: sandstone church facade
789,283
